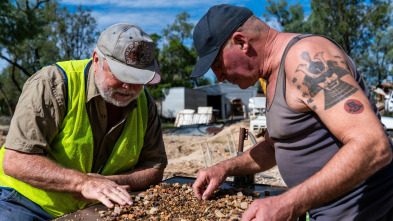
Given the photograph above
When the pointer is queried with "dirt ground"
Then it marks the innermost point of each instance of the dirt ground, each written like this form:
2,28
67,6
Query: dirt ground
185,156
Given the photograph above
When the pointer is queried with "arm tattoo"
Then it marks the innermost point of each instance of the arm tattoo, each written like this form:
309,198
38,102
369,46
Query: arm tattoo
324,75
353,106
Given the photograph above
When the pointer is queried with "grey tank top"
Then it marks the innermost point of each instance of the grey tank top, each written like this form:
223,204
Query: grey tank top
303,145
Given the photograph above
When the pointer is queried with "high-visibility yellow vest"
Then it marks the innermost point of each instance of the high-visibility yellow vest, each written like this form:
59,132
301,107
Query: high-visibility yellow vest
73,145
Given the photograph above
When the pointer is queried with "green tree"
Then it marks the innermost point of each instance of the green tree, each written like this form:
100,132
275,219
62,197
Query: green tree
380,56
176,60
32,35
353,24
180,29
76,32
291,18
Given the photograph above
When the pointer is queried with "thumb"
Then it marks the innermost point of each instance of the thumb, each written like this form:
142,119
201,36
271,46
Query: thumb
126,187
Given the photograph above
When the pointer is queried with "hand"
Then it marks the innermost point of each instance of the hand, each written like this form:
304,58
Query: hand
271,208
104,190
213,177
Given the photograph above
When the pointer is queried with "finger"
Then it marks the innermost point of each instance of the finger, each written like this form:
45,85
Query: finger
198,187
104,200
210,190
124,195
126,187
117,196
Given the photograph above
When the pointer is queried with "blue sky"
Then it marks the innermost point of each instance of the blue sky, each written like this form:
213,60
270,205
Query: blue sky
154,15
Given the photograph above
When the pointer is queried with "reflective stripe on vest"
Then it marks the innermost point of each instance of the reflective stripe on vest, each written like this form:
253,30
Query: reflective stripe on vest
72,147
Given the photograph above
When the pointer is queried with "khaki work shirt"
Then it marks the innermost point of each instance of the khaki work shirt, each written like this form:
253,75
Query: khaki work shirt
41,109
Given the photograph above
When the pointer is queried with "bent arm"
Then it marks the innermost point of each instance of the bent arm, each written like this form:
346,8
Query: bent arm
42,173
258,158
334,95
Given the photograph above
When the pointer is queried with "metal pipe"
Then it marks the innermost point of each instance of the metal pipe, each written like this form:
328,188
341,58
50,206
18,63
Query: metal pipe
254,141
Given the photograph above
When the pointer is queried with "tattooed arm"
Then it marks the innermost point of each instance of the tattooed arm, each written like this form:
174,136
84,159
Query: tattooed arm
319,80
336,98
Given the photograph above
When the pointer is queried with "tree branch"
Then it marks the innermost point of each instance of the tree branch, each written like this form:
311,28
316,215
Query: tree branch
16,65
39,3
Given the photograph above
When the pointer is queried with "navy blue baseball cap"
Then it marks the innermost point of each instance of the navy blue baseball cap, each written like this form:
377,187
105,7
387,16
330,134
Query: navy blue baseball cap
211,32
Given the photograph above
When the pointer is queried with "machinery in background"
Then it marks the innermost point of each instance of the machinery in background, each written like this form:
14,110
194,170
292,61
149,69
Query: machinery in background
257,105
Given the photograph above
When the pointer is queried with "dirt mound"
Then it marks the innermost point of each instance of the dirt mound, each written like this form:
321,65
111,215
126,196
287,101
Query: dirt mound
189,154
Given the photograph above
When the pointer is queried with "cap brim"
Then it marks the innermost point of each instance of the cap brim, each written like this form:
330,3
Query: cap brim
204,63
132,75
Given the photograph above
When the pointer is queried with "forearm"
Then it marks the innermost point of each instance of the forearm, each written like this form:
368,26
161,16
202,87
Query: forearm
138,178
258,158
42,173
354,163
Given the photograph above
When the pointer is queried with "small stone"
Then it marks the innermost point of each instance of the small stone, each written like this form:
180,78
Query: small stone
219,214
117,209
244,205
153,211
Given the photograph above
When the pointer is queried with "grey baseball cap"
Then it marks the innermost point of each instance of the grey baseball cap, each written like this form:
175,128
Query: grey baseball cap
129,52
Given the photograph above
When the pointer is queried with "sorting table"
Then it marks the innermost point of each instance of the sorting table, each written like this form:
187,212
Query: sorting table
91,214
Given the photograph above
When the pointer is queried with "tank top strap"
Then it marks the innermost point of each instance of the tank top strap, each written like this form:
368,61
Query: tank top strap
281,72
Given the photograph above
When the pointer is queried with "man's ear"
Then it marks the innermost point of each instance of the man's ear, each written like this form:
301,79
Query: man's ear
240,40
96,61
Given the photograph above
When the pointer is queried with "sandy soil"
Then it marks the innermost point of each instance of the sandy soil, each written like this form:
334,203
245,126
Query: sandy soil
185,157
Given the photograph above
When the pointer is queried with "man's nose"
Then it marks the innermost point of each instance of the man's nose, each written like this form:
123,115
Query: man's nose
127,86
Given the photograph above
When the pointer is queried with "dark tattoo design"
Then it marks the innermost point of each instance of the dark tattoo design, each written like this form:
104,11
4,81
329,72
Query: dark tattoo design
304,94
310,100
325,75
299,87
353,106
294,80
314,108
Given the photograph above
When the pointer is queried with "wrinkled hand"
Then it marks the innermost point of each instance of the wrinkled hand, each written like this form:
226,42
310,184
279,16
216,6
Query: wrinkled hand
213,177
270,208
96,187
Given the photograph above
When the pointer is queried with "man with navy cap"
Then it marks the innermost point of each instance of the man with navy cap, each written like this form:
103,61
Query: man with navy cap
84,131
323,129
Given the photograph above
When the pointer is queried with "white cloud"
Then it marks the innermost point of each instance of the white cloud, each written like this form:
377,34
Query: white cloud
150,4
153,23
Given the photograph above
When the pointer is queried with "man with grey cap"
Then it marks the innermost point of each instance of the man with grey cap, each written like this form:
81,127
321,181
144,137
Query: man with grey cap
323,129
84,131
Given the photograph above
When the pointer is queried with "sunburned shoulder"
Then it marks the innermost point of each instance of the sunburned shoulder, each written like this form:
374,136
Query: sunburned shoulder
314,65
